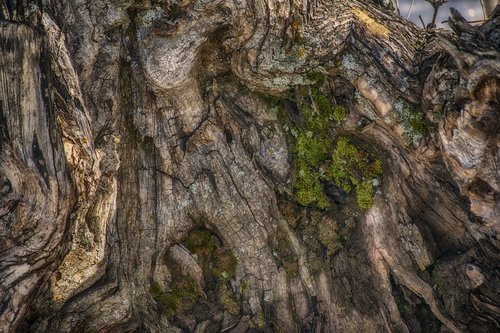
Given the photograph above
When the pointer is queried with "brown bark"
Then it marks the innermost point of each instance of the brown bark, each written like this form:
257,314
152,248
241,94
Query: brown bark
147,184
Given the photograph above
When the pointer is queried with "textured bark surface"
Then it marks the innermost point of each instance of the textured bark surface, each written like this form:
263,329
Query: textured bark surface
150,168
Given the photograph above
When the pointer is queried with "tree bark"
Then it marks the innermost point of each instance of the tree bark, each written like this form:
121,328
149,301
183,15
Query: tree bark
153,174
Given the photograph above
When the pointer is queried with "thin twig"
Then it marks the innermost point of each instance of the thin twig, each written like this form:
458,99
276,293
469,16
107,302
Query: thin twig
436,4
421,20
477,21
228,328
434,15
482,7
409,11
397,7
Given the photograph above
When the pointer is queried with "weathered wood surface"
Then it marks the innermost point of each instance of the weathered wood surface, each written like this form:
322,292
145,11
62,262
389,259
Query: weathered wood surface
126,125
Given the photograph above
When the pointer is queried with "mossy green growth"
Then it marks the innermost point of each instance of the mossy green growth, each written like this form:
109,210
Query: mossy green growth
441,284
316,77
308,187
218,264
322,103
311,149
201,242
224,264
364,193
351,167
405,308
418,124
243,285
181,297
412,119
227,300
220,261
312,141
343,158
260,320
296,31
339,113
319,115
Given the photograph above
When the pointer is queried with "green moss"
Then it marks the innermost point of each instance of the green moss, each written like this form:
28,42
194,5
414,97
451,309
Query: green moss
221,262
310,148
375,169
345,152
343,160
312,120
351,167
309,152
364,192
418,124
405,309
155,290
224,264
228,301
413,122
181,297
243,285
339,113
441,284
297,36
201,242
260,320
316,77
322,103
312,144
277,113
319,115
218,264
308,187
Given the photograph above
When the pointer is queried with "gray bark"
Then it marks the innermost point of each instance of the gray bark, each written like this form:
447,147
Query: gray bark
147,184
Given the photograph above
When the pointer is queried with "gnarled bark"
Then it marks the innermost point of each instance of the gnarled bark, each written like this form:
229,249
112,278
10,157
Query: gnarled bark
149,166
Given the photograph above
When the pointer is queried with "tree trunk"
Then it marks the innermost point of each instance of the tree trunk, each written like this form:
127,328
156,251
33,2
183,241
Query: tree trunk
246,166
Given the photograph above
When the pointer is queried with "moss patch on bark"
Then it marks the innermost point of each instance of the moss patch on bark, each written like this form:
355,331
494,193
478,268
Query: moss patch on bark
352,167
181,296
